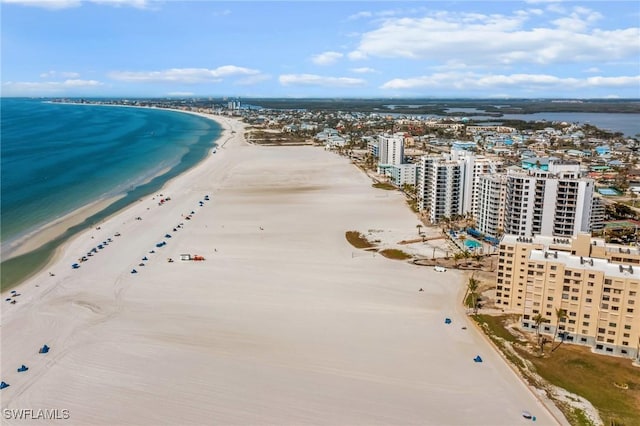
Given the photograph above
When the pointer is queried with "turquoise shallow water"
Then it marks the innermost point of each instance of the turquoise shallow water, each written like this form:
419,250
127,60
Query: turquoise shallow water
56,158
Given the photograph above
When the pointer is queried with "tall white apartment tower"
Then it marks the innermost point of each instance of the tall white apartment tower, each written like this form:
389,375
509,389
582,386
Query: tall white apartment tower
473,168
391,149
440,188
452,178
492,191
544,203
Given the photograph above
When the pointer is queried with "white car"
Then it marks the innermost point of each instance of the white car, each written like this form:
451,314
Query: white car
440,269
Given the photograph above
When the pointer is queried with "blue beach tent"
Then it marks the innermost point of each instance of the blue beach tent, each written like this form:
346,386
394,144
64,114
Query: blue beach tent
133,271
145,258
447,320
23,368
4,385
75,266
44,349
477,359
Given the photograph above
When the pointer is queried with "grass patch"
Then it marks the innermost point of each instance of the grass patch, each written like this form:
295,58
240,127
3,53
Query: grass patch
395,254
496,325
610,383
413,205
593,377
358,240
384,185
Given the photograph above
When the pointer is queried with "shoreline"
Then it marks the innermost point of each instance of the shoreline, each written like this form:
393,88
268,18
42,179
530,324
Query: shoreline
280,323
39,246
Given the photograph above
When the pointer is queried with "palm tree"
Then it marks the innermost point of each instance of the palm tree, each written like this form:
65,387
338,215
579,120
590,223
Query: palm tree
560,315
538,319
472,301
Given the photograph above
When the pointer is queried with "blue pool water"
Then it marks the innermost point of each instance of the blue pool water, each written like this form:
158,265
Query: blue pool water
472,244
608,191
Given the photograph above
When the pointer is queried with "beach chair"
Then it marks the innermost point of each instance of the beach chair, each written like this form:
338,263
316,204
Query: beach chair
44,349
4,385
23,368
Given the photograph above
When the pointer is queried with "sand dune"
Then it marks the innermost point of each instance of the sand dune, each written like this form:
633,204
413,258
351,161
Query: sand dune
283,323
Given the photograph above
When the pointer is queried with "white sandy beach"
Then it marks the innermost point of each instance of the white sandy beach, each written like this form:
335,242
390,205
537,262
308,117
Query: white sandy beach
283,323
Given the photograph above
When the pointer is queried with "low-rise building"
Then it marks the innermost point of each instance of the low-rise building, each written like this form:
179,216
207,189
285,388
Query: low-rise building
579,290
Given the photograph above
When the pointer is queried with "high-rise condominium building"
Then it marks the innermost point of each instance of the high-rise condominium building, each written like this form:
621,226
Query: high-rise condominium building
448,184
555,202
391,149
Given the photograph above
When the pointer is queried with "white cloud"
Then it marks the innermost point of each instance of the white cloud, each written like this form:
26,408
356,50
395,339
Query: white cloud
57,74
593,70
473,81
497,39
39,88
363,14
66,4
326,58
46,4
363,70
183,75
317,80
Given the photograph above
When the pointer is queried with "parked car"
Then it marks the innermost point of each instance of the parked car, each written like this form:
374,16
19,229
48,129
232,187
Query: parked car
440,269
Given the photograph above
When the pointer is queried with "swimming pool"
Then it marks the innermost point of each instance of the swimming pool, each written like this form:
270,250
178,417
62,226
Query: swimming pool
472,244
608,191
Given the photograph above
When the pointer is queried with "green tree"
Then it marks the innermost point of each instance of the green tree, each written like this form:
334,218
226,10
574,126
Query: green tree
560,315
472,300
538,319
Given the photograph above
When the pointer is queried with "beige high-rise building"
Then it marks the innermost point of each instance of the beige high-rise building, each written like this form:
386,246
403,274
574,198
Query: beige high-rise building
595,285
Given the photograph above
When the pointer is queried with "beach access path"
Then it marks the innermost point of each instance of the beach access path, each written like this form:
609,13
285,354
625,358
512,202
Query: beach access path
283,322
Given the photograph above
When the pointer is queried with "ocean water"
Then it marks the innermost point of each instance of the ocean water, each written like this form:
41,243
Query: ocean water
56,158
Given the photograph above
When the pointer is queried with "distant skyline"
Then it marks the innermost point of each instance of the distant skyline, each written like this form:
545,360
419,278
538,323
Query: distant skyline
475,49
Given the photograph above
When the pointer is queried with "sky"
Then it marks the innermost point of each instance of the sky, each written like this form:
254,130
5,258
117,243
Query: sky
346,49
